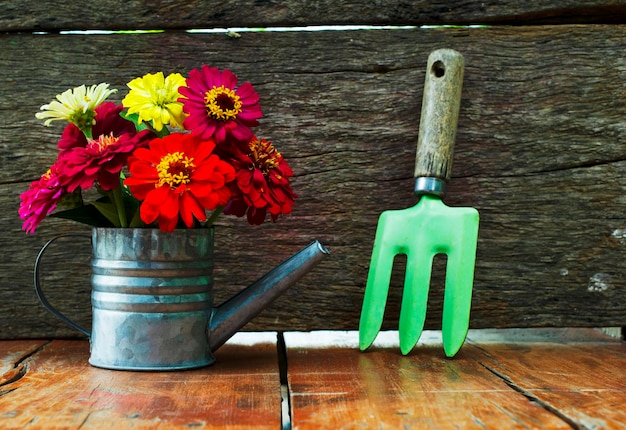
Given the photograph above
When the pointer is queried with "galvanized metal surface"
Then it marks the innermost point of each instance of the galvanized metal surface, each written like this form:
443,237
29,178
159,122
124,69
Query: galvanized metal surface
241,308
152,298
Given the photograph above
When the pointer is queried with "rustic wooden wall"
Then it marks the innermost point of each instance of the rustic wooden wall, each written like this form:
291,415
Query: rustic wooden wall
540,151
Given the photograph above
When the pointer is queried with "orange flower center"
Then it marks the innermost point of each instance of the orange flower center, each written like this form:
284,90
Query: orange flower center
102,142
264,155
222,103
175,169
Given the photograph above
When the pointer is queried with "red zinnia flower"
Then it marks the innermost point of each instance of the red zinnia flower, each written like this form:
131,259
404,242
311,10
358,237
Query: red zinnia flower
101,160
178,176
108,120
217,108
262,183
40,199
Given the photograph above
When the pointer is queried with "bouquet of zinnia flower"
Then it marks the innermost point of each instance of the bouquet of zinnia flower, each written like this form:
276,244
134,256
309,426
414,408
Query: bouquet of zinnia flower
177,152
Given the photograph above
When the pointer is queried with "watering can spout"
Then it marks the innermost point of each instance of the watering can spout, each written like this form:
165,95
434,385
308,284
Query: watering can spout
237,311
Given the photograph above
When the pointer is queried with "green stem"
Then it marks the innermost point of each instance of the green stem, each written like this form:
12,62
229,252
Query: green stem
218,210
118,200
87,132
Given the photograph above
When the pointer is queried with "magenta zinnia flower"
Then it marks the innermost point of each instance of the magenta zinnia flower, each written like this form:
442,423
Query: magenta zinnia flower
83,161
108,120
217,107
262,184
179,176
40,199
101,160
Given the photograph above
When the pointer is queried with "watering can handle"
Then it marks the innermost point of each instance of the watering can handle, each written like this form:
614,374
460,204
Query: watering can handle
39,291
439,117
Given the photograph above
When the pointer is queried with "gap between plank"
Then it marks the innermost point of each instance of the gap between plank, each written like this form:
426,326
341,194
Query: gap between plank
284,382
530,396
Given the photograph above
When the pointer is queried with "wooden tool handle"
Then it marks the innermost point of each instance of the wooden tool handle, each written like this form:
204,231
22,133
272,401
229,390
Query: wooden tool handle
440,114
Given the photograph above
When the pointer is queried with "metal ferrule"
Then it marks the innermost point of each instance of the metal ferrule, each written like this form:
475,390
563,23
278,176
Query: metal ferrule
432,186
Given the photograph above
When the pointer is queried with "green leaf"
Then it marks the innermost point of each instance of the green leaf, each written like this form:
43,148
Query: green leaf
109,211
136,221
134,118
131,204
83,214
71,200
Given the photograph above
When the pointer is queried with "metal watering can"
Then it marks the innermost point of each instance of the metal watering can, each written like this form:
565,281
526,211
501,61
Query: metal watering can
152,297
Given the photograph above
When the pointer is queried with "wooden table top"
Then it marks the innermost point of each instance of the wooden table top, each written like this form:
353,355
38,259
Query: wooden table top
553,379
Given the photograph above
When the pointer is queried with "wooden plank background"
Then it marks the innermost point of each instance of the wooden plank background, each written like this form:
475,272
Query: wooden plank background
28,15
540,148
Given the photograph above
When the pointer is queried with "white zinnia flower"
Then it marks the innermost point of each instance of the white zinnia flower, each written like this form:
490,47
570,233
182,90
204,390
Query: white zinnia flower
76,105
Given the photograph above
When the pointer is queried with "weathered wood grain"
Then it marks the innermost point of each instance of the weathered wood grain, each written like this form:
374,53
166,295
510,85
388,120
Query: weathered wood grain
531,378
59,389
29,15
13,353
540,153
503,379
547,373
582,382
334,388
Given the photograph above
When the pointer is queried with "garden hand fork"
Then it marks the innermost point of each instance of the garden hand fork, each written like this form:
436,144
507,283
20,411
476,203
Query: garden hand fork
428,228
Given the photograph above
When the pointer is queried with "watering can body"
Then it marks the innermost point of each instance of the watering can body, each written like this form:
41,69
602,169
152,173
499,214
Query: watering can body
152,298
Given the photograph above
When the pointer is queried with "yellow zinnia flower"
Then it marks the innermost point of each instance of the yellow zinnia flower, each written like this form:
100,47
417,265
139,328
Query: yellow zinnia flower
155,99
76,106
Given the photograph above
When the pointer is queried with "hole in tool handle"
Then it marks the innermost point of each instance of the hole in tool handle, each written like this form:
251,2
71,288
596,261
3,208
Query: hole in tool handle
438,69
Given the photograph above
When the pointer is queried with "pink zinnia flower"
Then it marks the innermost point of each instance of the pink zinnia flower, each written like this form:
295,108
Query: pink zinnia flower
40,199
108,120
178,177
217,107
262,184
101,160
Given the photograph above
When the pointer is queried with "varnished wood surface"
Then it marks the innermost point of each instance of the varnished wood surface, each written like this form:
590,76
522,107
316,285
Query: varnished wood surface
504,379
58,389
12,357
561,378
29,15
540,153
337,387
503,382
